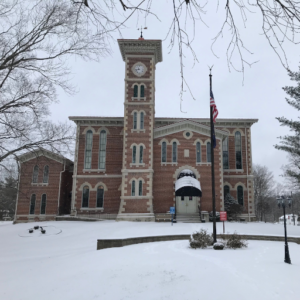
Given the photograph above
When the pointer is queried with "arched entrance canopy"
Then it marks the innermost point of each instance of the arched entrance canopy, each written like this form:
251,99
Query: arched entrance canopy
187,184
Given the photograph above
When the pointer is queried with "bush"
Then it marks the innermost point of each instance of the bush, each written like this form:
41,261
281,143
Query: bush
201,239
234,241
218,246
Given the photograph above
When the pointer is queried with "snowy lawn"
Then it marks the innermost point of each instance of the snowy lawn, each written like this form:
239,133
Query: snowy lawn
66,264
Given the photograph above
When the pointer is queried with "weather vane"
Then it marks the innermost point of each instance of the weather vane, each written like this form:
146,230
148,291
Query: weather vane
141,29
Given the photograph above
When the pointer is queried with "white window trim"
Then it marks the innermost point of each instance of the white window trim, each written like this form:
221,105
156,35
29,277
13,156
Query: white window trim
137,157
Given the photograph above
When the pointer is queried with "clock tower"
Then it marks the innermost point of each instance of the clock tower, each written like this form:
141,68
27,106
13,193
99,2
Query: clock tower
140,57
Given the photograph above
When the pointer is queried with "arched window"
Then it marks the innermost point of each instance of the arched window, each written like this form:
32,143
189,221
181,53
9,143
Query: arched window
164,152
225,154
140,188
135,91
85,196
35,174
135,120
174,152
32,204
134,154
142,121
240,195
133,188
208,152
88,149
238,150
141,154
102,152
100,196
43,204
46,174
142,91
226,190
198,152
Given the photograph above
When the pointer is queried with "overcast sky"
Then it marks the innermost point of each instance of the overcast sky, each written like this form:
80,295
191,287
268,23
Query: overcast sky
101,85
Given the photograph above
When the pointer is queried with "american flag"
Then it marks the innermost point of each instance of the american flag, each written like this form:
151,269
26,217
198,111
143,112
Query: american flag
213,104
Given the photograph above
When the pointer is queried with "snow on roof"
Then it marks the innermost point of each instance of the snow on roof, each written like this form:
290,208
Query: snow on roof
186,171
187,181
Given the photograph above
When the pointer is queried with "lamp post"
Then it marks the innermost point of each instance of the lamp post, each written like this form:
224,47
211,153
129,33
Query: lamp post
281,202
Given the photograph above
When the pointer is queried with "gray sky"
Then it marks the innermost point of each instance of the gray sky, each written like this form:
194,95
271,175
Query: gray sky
101,85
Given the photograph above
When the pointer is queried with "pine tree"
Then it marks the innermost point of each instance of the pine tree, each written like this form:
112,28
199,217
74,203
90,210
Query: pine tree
291,143
232,207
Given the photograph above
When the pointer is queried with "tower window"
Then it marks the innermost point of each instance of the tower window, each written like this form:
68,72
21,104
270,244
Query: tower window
208,152
135,91
226,190
134,154
43,204
142,91
141,154
133,188
88,149
140,188
142,121
135,120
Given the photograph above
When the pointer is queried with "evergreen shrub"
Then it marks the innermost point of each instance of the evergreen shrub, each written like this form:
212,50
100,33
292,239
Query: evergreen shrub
201,239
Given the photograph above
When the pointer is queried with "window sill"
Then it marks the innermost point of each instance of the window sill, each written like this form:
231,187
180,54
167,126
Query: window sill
92,209
137,165
138,130
169,163
234,170
93,170
39,184
203,164
138,98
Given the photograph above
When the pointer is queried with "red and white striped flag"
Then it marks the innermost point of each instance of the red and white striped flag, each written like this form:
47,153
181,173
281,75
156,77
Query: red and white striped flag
213,104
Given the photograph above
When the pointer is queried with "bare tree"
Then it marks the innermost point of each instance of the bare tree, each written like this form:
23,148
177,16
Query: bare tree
263,191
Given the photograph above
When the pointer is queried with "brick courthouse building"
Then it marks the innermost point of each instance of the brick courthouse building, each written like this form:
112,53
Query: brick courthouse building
137,166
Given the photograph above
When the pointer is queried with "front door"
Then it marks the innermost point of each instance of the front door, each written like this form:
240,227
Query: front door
186,205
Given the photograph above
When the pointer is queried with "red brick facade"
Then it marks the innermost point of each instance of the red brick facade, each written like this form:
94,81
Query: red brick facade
118,167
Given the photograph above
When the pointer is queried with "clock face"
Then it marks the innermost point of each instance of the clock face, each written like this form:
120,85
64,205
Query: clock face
139,69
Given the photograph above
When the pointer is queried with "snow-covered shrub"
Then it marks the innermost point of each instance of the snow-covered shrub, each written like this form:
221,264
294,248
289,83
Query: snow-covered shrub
234,241
218,246
201,239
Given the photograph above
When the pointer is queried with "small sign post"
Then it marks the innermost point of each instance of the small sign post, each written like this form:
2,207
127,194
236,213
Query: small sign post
223,217
172,212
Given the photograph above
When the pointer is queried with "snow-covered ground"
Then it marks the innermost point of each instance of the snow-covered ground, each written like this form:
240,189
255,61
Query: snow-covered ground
64,264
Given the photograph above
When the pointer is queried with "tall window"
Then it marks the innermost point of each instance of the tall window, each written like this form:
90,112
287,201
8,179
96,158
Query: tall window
85,196
238,150
134,154
133,188
102,152
226,190
225,154
88,149
164,152
174,152
140,188
46,174
240,195
32,204
43,204
135,91
142,91
35,174
135,120
100,196
141,154
142,121
208,152
198,152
